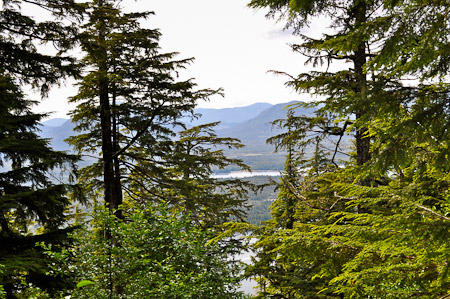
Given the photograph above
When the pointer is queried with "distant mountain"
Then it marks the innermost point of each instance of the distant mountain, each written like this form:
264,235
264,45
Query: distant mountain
250,124
260,127
54,122
57,134
229,116
254,133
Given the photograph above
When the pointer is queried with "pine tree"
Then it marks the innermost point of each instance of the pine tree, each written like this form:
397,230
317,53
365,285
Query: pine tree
408,220
306,251
32,206
130,99
130,108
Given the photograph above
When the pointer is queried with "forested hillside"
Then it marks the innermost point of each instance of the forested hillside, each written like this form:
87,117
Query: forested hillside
134,210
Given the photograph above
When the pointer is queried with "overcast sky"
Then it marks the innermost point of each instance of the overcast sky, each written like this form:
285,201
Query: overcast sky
234,47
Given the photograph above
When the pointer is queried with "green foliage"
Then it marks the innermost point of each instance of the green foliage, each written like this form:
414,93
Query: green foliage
32,201
374,227
131,103
84,283
20,35
185,179
289,260
161,255
32,206
2,289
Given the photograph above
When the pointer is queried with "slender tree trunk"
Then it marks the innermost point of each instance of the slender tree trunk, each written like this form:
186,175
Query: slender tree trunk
112,188
290,204
362,142
107,149
117,186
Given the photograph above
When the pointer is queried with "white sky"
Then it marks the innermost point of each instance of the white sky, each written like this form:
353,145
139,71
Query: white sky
234,47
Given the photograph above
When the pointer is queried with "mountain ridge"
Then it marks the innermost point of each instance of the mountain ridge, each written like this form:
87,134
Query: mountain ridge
250,124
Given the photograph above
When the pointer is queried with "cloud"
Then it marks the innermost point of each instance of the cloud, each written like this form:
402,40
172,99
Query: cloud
280,33
316,28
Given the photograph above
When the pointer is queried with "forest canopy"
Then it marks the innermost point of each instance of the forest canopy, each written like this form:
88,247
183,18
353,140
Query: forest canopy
367,218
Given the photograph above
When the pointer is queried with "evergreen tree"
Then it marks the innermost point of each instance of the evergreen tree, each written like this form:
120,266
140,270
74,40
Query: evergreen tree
408,221
131,104
379,229
32,203
129,100
283,208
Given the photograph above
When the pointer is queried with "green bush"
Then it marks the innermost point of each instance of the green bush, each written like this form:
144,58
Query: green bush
152,254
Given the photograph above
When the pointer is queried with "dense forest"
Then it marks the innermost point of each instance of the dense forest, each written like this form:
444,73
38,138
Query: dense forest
146,219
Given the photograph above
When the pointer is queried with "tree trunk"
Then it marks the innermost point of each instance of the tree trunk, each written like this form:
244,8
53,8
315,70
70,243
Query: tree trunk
362,142
112,187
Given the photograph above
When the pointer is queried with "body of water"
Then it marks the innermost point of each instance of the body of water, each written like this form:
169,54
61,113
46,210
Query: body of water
245,174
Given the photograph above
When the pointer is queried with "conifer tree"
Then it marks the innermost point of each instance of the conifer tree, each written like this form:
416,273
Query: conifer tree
186,178
32,206
283,208
32,203
372,241
131,103
130,98
408,220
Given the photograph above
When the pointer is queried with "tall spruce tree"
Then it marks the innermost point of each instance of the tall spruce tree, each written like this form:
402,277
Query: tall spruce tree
131,103
32,203
346,107
409,210
130,107
129,99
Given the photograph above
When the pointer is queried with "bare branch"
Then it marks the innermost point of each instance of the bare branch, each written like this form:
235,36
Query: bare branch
432,212
338,142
